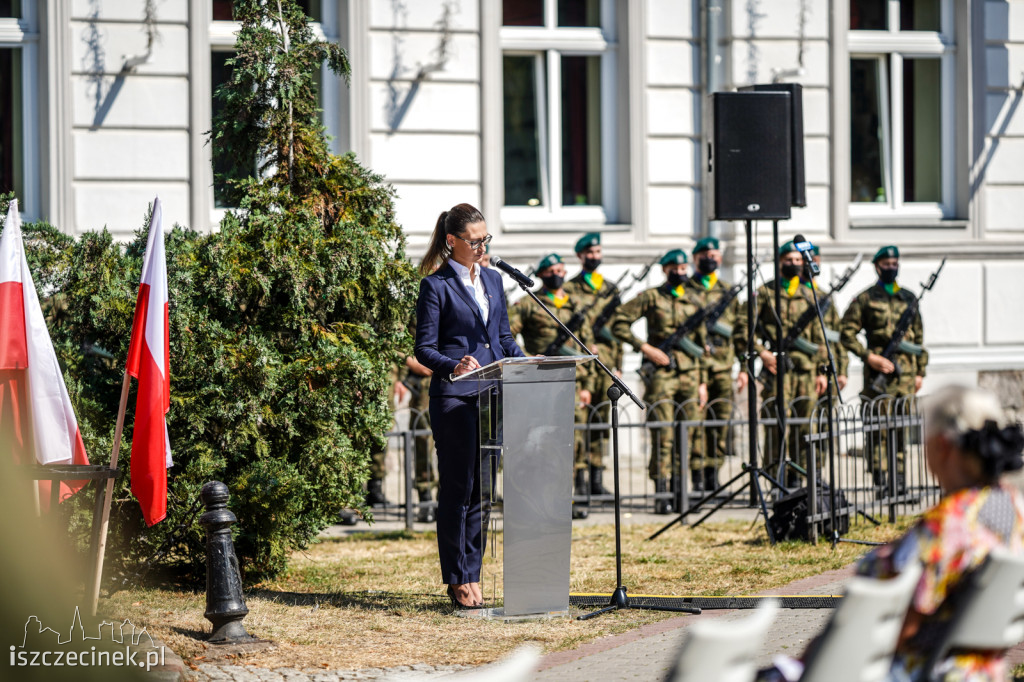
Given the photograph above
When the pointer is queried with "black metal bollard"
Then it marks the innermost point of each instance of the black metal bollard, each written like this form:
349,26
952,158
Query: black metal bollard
225,607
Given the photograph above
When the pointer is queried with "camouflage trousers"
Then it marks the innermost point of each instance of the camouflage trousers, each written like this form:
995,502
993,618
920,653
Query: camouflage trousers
595,440
800,398
666,391
886,446
717,439
425,477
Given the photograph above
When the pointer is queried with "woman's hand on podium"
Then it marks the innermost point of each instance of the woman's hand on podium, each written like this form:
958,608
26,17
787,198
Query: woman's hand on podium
466,365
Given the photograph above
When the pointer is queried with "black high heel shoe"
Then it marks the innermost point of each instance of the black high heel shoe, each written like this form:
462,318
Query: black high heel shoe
457,604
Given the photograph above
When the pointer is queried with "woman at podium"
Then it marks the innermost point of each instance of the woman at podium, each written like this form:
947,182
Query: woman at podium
462,325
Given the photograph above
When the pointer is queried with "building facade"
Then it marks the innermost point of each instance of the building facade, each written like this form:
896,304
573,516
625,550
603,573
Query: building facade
558,117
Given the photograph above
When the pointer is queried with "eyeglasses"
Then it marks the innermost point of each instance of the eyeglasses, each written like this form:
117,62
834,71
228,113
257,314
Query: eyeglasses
476,243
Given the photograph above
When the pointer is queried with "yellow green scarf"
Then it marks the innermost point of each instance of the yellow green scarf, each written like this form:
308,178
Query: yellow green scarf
559,301
594,279
709,281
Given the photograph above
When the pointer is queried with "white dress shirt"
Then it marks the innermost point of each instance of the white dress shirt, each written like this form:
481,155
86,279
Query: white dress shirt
476,290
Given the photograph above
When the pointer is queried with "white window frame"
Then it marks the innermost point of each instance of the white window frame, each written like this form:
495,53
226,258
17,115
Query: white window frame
222,37
23,34
897,46
554,42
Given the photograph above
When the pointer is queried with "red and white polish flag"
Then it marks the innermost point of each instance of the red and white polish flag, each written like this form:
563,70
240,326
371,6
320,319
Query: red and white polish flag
37,421
149,362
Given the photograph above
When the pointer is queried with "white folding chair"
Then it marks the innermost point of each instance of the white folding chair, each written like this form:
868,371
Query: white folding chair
723,650
516,667
860,639
990,611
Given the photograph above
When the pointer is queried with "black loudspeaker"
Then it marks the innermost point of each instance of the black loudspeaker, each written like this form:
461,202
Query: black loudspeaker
796,134
789,514
749,156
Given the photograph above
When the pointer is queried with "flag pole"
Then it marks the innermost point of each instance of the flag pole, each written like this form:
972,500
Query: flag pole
101,546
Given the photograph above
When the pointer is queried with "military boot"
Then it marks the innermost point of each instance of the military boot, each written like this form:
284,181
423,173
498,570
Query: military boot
427,513
579,509
710,479
697,481
375,493
662,505
596,474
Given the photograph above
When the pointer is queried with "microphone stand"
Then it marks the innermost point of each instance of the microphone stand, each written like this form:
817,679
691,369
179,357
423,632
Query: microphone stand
619,599
830,373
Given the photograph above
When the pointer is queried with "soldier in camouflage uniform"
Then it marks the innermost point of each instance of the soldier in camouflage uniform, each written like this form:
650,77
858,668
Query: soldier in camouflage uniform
414,377
832,325
725,340
378,466
804,379
539,330
666,308
876,311
593,291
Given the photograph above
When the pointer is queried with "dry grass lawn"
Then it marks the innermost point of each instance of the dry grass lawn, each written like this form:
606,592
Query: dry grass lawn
374,600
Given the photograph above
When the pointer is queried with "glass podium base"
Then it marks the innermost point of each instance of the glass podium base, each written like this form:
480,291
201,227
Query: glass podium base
499,614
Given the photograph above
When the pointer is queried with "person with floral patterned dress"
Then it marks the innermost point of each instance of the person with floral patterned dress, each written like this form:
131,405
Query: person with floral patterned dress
967,446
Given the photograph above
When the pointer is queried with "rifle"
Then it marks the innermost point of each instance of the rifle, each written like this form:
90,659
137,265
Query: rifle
643,273
792,337
576,321
709,315
881,381
711,321
614,302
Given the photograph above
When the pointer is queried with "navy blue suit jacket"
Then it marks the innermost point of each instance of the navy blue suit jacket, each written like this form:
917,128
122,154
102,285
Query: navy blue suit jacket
449,326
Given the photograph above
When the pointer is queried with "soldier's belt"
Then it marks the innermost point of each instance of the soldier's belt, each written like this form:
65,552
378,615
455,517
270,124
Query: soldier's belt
690,348
910,348
722,329
805,346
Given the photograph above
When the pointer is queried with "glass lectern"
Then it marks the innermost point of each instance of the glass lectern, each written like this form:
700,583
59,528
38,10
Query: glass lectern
526,459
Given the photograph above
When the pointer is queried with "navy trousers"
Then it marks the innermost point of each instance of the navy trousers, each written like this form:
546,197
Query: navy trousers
460,539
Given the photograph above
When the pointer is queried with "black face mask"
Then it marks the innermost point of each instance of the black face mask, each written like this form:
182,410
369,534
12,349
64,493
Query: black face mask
675,279
553,282
791,270
888,275
591,264
706,266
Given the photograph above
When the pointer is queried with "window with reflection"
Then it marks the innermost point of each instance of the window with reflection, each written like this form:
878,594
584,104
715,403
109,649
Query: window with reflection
556,104
902,106
12,152
223,10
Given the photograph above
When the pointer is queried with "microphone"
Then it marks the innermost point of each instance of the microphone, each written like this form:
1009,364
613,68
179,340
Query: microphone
521,279
805,248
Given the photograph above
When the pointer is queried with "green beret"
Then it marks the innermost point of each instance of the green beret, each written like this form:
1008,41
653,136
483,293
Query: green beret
705,244
674,257
886,252
547,261
788,247
588,240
